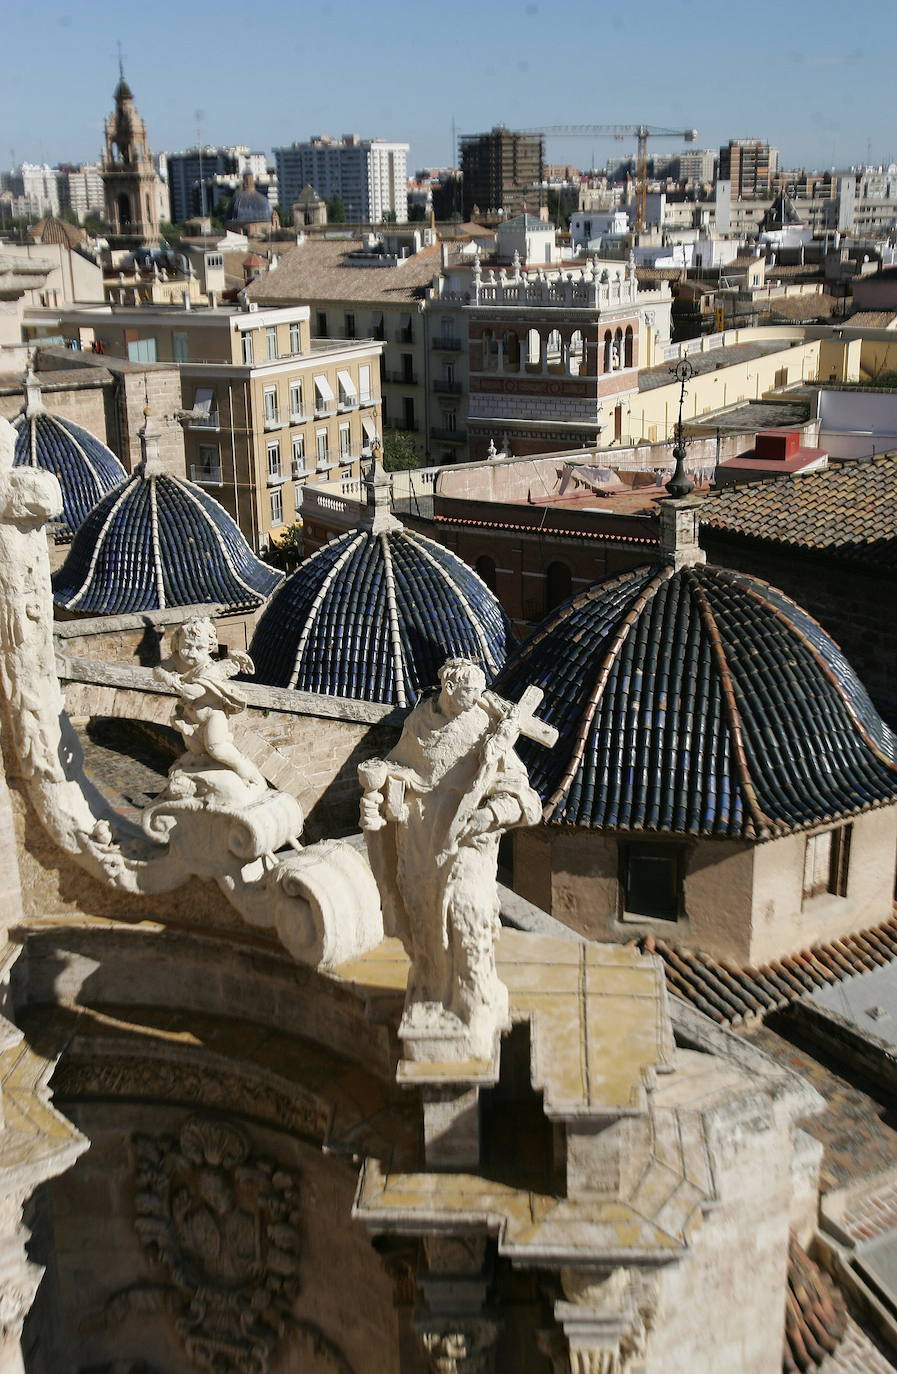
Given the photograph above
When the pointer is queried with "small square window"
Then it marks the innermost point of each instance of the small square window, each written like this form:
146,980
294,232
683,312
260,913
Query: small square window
247,349
295,338
271,342
652,881
277,508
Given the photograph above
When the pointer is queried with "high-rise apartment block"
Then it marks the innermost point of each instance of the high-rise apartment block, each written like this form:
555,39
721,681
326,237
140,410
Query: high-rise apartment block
749,166
84,190
501,171
192,174
369,175
696,165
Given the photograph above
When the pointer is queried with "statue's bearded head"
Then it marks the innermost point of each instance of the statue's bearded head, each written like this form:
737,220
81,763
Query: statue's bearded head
463,683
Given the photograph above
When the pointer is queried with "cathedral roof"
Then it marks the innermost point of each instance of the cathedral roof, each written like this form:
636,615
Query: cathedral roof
85,467
374,616
157,541
698,701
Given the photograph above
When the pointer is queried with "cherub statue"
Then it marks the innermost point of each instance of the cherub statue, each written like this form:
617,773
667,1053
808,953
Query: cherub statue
207,700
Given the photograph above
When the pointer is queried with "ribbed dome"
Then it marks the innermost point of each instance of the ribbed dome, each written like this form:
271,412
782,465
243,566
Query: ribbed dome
699,701
158,541
374,617
250,207
85,467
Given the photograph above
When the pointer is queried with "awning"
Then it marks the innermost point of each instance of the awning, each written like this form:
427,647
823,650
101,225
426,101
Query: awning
347,384
370,429
323,388
202,400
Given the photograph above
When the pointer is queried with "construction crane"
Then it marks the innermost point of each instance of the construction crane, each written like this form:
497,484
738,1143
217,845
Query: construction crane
640,132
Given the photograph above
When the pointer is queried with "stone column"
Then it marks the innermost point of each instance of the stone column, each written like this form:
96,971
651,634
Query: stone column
458,1334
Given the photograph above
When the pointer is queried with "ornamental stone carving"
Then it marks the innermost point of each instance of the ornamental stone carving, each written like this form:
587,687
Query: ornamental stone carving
458,1345
216,818
221,1225
433,813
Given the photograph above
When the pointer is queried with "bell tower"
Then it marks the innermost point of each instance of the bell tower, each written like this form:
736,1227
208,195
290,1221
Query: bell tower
129,177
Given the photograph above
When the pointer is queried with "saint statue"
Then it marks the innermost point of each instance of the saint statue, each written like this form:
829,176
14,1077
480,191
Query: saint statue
433,813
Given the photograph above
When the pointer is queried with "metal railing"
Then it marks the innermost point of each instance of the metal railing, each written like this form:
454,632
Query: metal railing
448,436
444,387
447,344
205,476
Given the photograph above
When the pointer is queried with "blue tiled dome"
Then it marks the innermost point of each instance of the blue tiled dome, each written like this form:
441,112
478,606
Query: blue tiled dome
158,541
85,467
374,617
698,701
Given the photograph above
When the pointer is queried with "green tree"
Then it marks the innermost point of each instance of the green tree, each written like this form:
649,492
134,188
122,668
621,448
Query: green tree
336,210
417,214
390,217
399,451
288,551
96,225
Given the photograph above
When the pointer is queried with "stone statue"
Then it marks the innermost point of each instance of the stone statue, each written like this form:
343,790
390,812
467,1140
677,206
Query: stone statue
433,813
216,819
207,701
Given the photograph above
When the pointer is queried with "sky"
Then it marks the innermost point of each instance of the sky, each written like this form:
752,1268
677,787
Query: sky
796,74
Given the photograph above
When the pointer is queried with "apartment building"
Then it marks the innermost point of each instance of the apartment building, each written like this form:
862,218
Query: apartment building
749,166
500,170
265,408
361,289
370,176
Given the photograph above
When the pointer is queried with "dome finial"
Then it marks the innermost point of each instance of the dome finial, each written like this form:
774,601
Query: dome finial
34,401
378,516
149,435
679,484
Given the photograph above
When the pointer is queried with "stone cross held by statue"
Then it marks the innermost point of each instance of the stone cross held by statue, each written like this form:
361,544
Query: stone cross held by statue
529,724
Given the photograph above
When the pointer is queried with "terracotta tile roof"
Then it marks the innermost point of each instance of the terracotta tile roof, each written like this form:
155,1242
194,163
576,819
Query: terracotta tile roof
847,511
818,305
608,535
815,1314
872,319
730,994
322,270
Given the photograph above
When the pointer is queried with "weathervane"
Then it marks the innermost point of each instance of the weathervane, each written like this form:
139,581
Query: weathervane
679,484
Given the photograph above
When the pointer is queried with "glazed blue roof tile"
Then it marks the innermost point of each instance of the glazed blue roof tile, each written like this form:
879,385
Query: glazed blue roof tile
698,701
158,541
85,467
374,616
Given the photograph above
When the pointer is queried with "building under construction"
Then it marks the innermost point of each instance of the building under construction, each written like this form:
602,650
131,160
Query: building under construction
502,171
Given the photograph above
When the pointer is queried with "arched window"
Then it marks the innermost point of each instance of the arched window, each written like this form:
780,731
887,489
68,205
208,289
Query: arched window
490,351
553,351
485,567
124,210
608,351
558,585
534,348
512,352
618,349
577,353
629,348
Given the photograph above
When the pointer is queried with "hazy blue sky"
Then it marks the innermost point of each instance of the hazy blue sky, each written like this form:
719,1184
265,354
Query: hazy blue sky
815,79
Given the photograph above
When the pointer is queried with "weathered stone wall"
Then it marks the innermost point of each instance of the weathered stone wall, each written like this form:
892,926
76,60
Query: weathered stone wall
145,638
82,400
307,745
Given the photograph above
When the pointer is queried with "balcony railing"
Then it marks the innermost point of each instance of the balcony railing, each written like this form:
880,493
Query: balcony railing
273,422
367,400
210,421
448,436
298,418
323,411
448,344
276,476
402,378
205,476
347,403
446,388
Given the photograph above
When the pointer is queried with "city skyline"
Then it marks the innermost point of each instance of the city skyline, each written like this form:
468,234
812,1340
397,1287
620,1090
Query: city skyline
819,103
